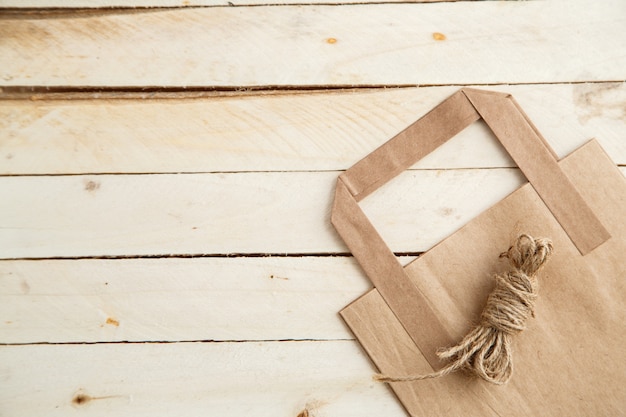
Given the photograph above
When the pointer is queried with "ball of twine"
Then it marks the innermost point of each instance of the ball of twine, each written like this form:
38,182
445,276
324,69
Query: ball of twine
486,350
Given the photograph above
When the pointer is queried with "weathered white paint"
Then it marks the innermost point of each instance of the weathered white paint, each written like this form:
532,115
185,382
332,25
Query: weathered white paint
264,379
485,43
121,215
246,210
279,212
240,298
282,132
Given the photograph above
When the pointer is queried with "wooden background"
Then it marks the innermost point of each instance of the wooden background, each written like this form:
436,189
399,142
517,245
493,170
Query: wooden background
167,169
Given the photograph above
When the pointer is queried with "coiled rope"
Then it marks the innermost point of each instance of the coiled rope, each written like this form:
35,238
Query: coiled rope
486,350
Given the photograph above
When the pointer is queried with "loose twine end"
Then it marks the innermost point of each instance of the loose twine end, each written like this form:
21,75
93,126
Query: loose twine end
486,350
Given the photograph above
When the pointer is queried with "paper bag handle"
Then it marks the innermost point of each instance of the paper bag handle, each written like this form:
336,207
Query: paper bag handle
523,142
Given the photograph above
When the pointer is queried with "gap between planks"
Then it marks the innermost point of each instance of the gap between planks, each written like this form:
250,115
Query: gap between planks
42,93
123,6
257,171
168,342
203,255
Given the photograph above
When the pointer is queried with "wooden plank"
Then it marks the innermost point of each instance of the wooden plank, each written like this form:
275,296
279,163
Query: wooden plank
121,215
282,132
177,299
194,379
481,43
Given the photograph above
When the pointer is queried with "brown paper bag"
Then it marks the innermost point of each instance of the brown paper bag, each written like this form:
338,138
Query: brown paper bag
571,359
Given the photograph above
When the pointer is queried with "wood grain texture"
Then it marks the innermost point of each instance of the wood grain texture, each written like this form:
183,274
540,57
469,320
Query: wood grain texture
284,132
485,43
120,215
140,300
81,216
192,379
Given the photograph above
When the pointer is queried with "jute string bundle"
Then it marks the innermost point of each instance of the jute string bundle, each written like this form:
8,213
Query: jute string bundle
486,350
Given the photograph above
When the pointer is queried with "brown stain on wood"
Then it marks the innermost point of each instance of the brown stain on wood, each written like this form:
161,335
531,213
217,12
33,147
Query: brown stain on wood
331,41
439,36
446,211
25,287
599,100
40,30
112,321
81,399
310,407
277,277
92,185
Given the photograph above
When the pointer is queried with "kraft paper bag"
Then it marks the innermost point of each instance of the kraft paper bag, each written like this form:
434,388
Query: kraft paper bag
571,358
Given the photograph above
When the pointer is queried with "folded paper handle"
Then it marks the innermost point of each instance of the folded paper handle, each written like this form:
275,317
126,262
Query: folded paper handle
522,141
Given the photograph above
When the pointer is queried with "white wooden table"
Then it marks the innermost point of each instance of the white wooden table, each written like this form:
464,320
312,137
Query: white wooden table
167,174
